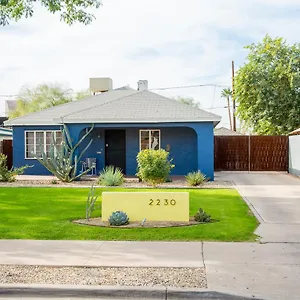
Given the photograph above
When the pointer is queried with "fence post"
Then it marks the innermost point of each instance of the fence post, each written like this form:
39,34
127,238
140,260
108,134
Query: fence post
249,153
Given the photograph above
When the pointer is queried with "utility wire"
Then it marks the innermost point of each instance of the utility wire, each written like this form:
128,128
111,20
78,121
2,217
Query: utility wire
154,89
187,86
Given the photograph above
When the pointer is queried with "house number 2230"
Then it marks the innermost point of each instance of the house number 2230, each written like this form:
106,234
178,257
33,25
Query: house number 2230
162,202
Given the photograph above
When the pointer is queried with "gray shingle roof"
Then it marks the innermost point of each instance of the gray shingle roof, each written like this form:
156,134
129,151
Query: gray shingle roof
119,106
11,104
225,131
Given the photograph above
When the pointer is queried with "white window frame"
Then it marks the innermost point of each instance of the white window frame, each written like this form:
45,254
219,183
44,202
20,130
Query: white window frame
34,140
149,131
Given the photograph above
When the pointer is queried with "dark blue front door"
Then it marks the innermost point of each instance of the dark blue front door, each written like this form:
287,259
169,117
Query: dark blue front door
115,148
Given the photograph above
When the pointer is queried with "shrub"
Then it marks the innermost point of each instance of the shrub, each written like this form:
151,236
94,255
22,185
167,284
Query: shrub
202,216
195,178
154,166
7,175
111,176
118,218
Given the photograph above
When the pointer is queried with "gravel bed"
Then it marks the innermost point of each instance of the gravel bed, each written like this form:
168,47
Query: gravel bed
147,224
160,277
127,184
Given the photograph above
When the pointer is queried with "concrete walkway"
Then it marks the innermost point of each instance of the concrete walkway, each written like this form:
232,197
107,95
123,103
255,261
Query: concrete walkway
267,271
275,200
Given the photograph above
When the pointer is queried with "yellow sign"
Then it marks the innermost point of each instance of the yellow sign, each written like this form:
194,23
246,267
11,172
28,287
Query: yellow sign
154,206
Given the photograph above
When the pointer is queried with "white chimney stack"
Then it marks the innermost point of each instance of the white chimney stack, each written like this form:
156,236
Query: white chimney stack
142,85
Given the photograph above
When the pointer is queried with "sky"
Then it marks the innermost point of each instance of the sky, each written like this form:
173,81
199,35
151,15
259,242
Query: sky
170,43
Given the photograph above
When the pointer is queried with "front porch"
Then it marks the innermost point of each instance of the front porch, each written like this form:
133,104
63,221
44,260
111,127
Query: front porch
191,145
190,148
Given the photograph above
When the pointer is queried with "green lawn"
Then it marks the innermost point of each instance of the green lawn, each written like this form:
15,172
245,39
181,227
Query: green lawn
45,213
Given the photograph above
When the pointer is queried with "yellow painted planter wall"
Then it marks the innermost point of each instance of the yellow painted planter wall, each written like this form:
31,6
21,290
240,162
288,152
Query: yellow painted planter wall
154,206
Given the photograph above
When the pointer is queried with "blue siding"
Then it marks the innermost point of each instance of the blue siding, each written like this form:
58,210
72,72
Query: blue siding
191,145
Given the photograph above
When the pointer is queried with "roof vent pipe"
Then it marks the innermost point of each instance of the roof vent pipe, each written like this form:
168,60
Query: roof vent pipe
142,85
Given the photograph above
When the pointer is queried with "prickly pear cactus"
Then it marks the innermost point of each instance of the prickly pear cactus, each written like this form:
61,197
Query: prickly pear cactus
118,218
202,216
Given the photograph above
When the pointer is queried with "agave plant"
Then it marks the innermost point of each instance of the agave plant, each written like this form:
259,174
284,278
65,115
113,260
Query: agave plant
202,216
118,218
63,160
111,176
195,178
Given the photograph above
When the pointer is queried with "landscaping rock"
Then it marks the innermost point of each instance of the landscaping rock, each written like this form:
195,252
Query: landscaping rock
129,183
147,224
159,277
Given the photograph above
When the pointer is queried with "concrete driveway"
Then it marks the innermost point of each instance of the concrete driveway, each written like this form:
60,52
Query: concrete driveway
275,200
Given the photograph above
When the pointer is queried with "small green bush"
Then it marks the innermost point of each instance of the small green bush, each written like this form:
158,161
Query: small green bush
111,176
7,175
118,218
201,216
195,178
154,166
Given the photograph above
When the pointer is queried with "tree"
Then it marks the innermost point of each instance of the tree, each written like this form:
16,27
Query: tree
42,97
227,93
188,100
70,11
268,87
83,94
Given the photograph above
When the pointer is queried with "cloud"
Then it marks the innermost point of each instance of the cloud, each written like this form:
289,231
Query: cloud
170,43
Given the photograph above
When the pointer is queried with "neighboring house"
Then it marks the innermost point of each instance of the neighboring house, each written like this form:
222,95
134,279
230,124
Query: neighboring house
5,134
125,121
10,105
225,131
2,119
294,150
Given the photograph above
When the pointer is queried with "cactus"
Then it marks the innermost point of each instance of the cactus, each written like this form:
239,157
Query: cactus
90,203
62,161
202,216
118,218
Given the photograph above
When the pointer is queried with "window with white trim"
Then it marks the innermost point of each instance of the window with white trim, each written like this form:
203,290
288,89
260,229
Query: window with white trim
37,142
150,139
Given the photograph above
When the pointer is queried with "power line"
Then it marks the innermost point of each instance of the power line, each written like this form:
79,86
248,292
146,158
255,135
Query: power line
154,89
187,86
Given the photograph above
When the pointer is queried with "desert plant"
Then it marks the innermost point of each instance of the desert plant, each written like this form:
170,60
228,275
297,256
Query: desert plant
111,176
90,202
62,160
202,216
7,175
195,178
118,218
154,166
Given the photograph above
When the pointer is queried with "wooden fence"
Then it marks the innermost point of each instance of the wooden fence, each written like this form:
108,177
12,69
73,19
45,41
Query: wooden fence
251,153
6,148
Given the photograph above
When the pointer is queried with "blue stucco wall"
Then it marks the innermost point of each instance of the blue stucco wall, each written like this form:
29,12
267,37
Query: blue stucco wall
191,145
19,150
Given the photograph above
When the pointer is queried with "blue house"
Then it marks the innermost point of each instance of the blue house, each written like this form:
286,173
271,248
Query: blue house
125,122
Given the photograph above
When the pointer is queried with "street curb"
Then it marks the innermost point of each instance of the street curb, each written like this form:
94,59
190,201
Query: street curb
76,291
112,292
